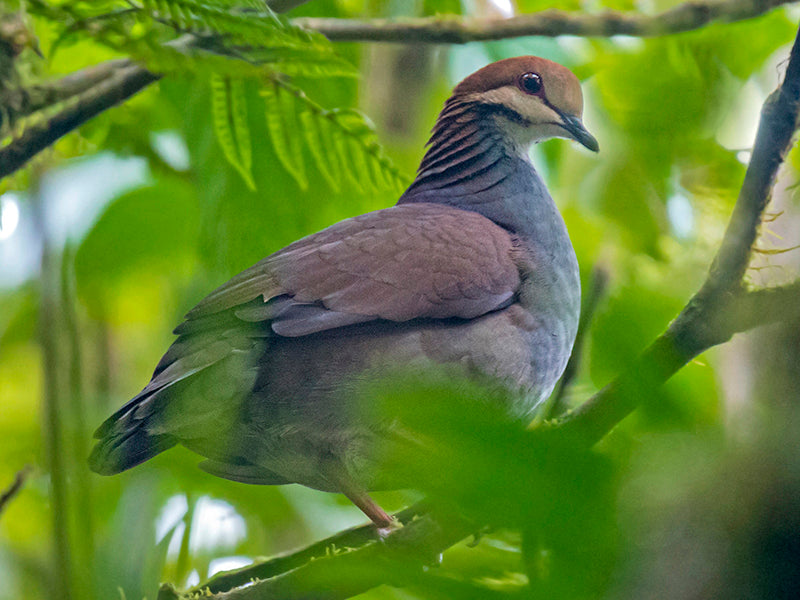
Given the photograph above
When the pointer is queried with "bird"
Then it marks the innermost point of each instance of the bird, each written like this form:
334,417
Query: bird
472,270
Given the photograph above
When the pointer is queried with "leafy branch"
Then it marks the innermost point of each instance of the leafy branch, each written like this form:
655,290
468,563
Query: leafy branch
717,310
238,42
548,23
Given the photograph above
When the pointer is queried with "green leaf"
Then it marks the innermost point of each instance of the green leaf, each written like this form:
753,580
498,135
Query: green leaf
343,144
283,125
140,230
229,37
229,114
318,139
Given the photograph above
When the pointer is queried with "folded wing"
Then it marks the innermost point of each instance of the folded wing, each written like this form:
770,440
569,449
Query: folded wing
413,261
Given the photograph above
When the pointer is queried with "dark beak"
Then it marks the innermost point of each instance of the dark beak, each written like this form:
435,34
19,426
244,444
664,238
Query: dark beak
578,132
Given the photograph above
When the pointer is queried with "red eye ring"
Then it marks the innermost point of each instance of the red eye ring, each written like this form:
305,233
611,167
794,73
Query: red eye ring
530,83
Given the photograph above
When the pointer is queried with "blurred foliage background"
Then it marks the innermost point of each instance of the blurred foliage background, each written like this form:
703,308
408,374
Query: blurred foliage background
111,235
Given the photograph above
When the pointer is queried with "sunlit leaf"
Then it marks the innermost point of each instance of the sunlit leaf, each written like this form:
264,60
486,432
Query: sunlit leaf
229,114
284,128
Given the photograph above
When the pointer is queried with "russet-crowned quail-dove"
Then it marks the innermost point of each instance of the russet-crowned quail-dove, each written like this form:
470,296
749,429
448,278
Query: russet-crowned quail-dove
473,269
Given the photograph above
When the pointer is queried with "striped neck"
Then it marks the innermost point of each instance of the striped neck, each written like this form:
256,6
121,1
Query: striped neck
474,163
466,145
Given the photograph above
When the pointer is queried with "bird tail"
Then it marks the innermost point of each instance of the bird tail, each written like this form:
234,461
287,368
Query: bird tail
196,381
122,449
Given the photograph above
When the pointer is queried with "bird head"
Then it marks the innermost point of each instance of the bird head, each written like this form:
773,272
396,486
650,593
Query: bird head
543,97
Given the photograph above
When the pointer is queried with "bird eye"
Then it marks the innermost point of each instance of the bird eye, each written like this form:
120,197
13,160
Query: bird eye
530,83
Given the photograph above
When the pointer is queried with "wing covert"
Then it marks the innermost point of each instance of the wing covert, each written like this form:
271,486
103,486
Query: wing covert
405,262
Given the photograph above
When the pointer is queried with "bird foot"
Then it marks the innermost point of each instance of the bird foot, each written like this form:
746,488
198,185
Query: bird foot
385,530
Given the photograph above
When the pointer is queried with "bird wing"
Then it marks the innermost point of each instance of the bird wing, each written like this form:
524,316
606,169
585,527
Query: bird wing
401,263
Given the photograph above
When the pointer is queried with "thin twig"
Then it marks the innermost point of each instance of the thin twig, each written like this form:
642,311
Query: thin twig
282,6
15,487
549,23
597,287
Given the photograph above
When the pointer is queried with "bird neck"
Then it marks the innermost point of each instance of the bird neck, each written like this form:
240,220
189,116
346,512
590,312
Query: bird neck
475,163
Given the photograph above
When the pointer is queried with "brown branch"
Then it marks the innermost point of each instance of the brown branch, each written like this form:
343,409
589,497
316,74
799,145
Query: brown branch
549,23
26,101
773,139
98,88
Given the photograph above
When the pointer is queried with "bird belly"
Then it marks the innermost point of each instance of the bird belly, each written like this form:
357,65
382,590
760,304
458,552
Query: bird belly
315,397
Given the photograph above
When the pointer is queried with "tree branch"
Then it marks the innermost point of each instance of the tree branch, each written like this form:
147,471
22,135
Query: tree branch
719,309
97,88
350,538
26,101
123,79
401,554
549,23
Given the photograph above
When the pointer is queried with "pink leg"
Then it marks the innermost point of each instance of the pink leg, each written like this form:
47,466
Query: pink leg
358,496
370,508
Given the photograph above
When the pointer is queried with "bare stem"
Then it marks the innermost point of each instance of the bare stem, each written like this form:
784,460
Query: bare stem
14,489
549,23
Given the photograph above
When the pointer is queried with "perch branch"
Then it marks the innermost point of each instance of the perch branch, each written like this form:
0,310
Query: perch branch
549,23
401,554
350,538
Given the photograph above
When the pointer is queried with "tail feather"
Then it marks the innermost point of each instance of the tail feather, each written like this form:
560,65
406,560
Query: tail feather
118,452
196,381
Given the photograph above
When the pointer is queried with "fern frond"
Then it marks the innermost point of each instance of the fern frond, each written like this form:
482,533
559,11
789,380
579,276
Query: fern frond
319,139
230,22
245,32
229,115
283,125
342,143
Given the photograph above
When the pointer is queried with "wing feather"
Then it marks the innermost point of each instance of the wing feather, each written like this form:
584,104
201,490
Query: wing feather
405,262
